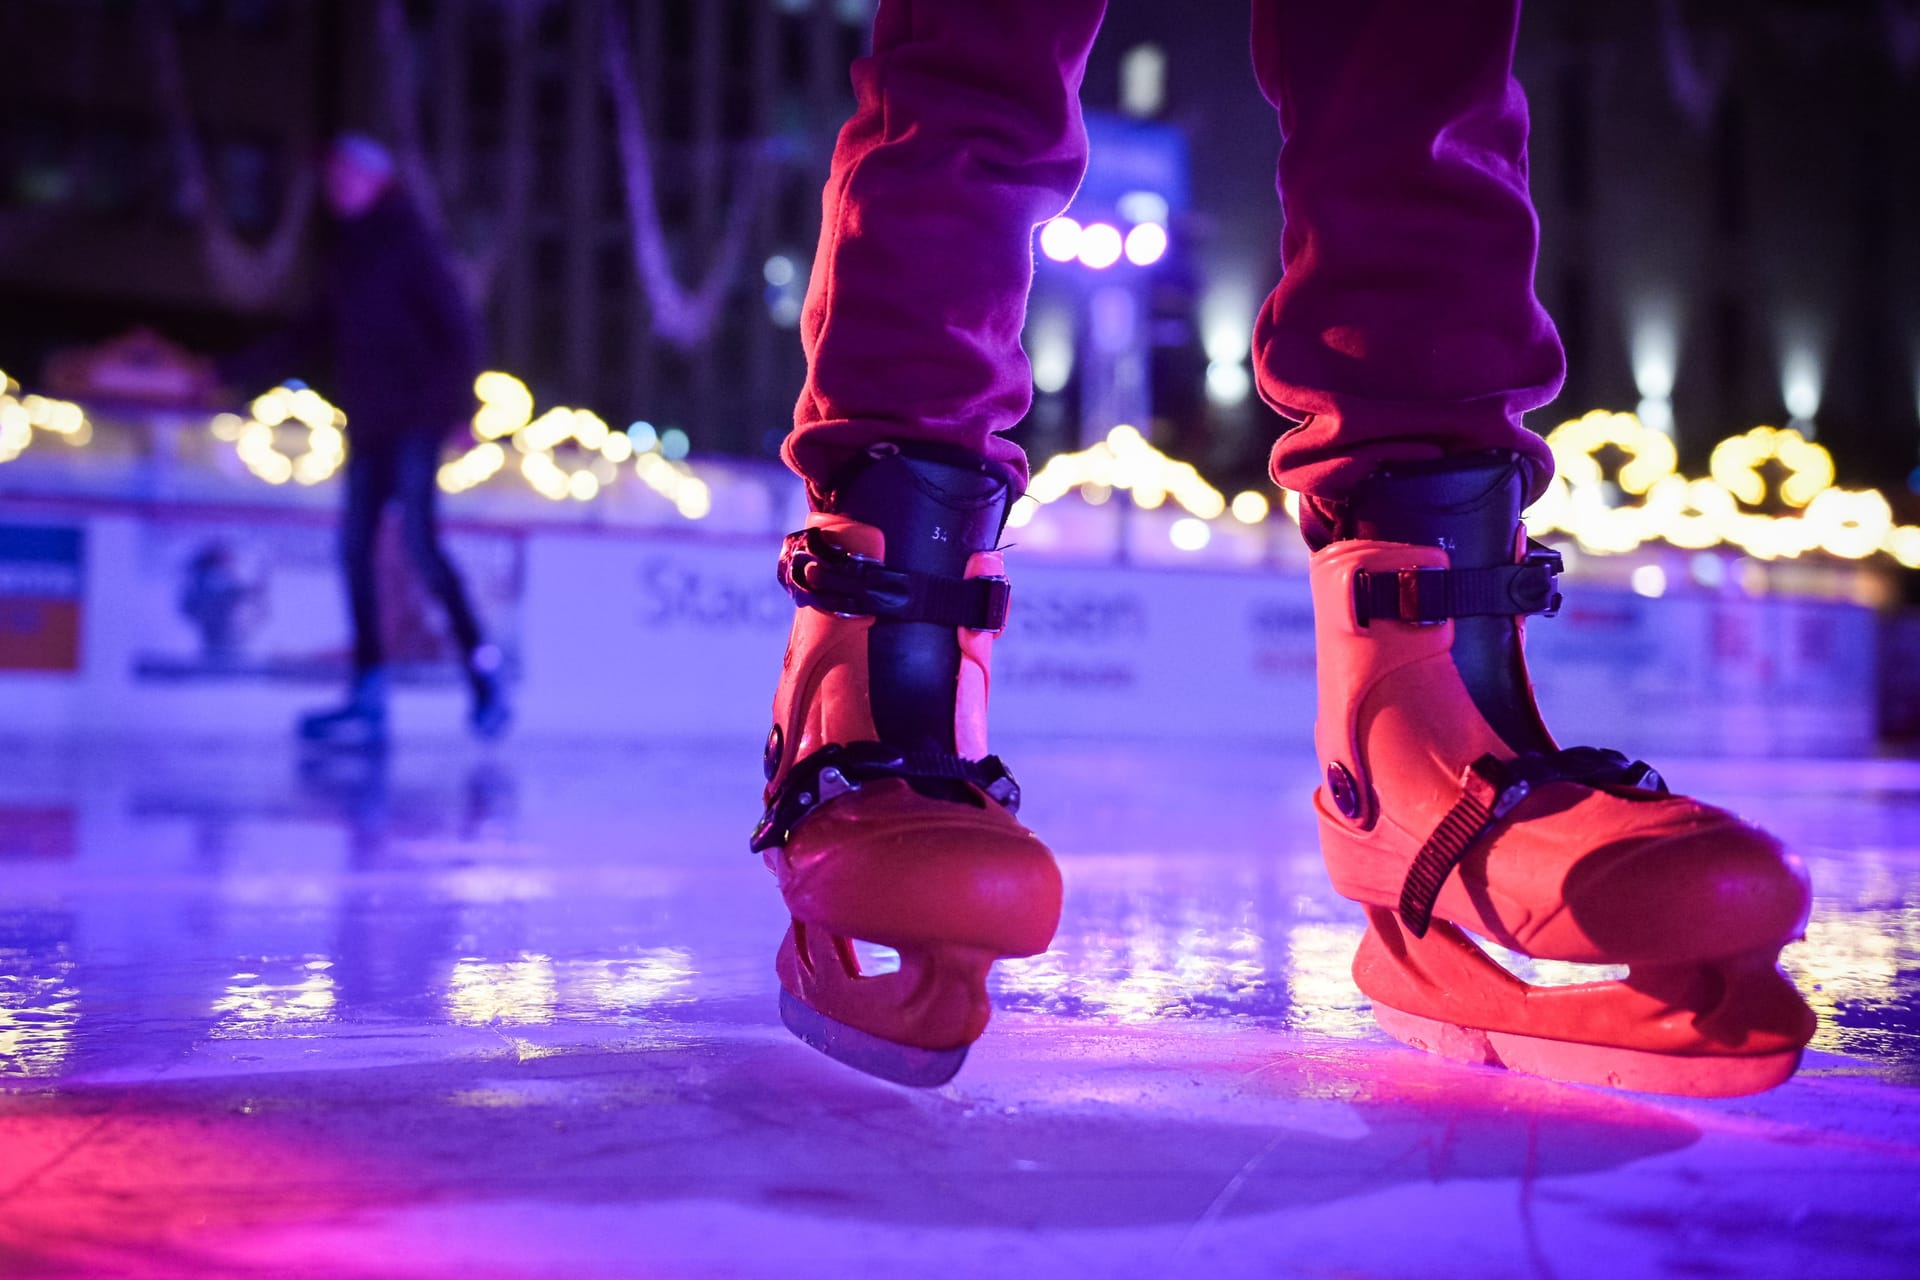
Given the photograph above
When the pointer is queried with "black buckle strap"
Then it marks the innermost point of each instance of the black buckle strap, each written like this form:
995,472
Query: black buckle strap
843,768
1490,788
820,575
1435,595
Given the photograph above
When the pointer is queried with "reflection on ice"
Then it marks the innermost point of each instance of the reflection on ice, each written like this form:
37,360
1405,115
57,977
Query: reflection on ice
514,992
1219,947
38,1009
1320,977
1858,962
533,989
256,1004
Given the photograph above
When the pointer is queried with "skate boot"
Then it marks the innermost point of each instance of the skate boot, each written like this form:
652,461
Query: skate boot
886,820
490,713
1446,808
359,724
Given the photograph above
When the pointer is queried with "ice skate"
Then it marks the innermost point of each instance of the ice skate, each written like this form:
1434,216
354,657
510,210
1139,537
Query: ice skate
886,820
490,713
1447,809
358,724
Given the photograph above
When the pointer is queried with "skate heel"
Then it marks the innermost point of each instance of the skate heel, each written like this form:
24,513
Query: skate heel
912,1026
1717,1029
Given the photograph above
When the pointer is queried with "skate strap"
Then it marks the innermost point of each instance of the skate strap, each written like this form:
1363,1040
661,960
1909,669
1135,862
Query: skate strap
1490,788
1434,595
837,770
820,575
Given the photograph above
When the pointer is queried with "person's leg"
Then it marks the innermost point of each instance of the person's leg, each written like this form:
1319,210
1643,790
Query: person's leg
966,134
417,460
416,491
361,720
1405,326
1406,335
369,486
885,818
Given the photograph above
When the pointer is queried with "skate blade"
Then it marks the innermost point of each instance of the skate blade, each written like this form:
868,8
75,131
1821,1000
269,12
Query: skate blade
889,1060
342,744
1639,1070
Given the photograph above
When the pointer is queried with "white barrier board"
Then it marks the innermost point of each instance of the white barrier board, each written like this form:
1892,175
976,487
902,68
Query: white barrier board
213,623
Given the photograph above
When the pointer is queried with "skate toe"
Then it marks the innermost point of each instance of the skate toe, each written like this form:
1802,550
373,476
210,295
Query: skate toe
890,865
1703,885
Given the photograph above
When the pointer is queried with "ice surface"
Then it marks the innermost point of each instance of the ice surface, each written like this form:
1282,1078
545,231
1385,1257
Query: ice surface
513,1014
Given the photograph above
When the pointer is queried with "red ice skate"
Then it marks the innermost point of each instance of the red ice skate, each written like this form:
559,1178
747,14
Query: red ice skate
886,819
1446,807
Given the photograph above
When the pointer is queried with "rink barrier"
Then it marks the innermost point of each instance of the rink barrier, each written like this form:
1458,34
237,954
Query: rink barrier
213,621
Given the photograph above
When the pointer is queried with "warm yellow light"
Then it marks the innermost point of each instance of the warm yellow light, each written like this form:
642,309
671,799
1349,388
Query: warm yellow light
1125,460
272,407
1577,444
694,500
589,429
1190,533
1736,462
1903,544
1849,524
1250,507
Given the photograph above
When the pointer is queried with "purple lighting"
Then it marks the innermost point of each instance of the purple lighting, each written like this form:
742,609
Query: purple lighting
1146,244
1100,246
1060,239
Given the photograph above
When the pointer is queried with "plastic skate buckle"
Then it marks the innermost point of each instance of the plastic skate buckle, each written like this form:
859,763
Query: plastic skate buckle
821,575
1427,596
843,768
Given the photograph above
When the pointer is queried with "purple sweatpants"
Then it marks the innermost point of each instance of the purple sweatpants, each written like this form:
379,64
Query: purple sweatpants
1404,326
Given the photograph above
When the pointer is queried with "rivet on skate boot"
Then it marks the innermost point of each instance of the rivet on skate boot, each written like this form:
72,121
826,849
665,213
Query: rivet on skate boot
770,759
1340,785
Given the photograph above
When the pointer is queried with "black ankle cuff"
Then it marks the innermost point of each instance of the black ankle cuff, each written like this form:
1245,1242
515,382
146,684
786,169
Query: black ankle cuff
1468,503
935,505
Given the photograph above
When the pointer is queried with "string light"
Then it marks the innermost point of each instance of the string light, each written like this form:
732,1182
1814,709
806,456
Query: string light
1124,460
596,452
1646,499
22,415
291,407
1708,512
1250,507
1736,464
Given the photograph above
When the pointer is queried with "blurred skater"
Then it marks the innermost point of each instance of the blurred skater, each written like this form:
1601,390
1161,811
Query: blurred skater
402,347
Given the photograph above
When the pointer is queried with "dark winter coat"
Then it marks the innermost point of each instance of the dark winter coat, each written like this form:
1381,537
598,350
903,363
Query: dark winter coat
390,337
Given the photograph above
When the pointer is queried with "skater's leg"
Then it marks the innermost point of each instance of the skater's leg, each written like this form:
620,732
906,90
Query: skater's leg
361,720
416,495
886,820
417,461
1405,326
965,135
1407,337
369,485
